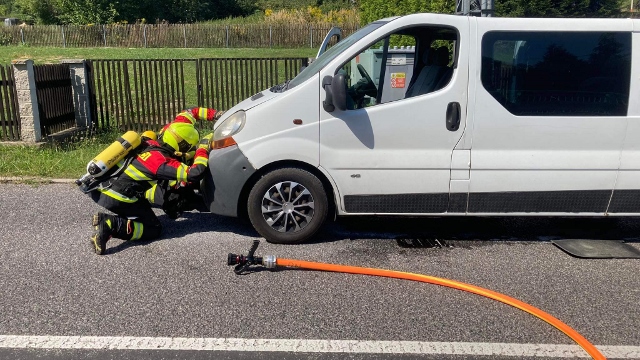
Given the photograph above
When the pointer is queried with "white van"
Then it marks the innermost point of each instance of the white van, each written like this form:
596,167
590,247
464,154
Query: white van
501,116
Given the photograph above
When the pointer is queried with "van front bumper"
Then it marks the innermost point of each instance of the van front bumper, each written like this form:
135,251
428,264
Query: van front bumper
228,172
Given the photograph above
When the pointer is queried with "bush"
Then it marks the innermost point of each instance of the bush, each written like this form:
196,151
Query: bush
349,18
6,39
372,10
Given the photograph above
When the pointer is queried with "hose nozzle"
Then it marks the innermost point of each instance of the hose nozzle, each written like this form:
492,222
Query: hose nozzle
234,259
242,263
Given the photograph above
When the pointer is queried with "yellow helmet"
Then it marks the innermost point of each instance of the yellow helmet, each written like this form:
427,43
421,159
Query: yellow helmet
181,137
150,135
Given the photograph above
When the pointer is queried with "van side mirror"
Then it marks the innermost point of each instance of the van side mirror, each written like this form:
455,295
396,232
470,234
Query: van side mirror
339,91
327,104
336,92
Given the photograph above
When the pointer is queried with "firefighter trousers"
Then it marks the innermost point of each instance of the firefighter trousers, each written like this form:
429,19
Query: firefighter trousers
145,226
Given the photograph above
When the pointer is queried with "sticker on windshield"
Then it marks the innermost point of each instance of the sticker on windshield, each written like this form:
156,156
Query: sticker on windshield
398,80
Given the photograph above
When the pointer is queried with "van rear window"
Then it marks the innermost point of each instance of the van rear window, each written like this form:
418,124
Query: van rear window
558,73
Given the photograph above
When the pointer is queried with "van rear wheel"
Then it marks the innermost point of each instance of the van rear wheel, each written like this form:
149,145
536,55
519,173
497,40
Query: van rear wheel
287,206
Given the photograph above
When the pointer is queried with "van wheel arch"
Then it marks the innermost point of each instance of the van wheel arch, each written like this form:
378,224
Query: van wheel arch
244,194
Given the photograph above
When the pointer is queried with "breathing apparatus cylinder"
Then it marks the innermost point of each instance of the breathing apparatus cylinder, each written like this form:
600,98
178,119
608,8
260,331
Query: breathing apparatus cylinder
108,158
113,154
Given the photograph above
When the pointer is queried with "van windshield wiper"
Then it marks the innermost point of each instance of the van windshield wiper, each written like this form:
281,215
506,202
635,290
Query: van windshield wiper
280,87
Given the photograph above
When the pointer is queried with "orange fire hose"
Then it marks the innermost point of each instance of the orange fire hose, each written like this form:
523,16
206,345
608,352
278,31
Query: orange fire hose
574,335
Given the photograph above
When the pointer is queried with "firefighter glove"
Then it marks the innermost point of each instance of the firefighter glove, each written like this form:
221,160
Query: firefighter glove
218,115
205,142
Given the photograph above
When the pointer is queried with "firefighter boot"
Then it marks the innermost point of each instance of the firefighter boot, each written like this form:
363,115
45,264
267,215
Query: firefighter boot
103,225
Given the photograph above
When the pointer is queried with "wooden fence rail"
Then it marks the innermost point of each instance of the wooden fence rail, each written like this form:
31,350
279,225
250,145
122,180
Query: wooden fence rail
9,115
168,35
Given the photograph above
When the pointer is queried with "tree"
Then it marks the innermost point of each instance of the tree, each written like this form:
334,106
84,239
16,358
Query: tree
6,7
181,11
39,11
82,12
558,8
131,11
377,9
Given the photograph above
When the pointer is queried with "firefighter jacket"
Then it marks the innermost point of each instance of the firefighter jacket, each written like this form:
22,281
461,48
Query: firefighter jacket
153,164
191,116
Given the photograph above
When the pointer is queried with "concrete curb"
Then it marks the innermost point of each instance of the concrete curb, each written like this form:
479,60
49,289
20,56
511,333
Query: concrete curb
19,179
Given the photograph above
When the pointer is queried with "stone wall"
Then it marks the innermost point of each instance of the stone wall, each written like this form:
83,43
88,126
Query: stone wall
27,101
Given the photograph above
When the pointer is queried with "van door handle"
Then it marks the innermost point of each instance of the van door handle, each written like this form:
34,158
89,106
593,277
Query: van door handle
453,116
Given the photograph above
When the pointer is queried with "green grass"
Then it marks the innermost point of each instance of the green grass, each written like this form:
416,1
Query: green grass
42,55
66,160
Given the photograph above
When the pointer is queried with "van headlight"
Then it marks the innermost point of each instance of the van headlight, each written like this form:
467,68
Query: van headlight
222,135
230,126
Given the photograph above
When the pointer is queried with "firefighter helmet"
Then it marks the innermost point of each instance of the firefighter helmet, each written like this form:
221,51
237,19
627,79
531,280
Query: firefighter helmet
149,135
181,137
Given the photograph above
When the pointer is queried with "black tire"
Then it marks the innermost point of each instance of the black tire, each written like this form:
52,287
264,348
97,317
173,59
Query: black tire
302,213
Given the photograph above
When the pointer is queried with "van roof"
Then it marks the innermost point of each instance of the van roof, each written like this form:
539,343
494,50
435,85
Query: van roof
494,18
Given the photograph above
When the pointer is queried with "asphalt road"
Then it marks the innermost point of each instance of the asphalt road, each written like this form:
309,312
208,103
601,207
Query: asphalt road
51,283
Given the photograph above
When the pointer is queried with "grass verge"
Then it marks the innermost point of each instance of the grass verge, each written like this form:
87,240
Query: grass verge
42,55
53,160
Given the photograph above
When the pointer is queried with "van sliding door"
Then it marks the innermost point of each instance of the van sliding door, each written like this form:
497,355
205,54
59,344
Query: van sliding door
550,117
626,196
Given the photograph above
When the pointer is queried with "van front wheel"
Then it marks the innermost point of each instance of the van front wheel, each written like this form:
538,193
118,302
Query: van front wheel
287,206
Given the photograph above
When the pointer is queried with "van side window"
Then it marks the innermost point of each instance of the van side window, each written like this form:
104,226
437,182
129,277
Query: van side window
419,60
558,73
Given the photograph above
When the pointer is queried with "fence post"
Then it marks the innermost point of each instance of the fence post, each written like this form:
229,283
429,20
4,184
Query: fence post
64,40
22,35
270,36
184,32
227,42
311,34
144,34
104,34
200,81
30,130
80,90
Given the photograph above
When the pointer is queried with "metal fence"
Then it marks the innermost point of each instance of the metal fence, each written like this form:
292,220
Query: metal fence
168,35
55,98
146,94
9,115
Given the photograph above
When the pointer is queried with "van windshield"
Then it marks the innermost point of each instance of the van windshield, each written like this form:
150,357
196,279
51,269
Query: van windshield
330,54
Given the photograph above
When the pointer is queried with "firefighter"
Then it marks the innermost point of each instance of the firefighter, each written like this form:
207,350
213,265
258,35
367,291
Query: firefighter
130,195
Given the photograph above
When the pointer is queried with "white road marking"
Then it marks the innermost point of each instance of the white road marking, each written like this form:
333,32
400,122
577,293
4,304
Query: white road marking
313,346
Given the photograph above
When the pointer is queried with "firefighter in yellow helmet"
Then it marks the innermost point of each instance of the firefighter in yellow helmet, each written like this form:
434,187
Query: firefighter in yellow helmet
131,195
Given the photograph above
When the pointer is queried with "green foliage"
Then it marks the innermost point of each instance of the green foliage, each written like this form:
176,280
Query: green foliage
6,39
105,11
81,12
372,10
39,11
187,11
559,8
7,8
255,18
54,160
181,11
324,5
